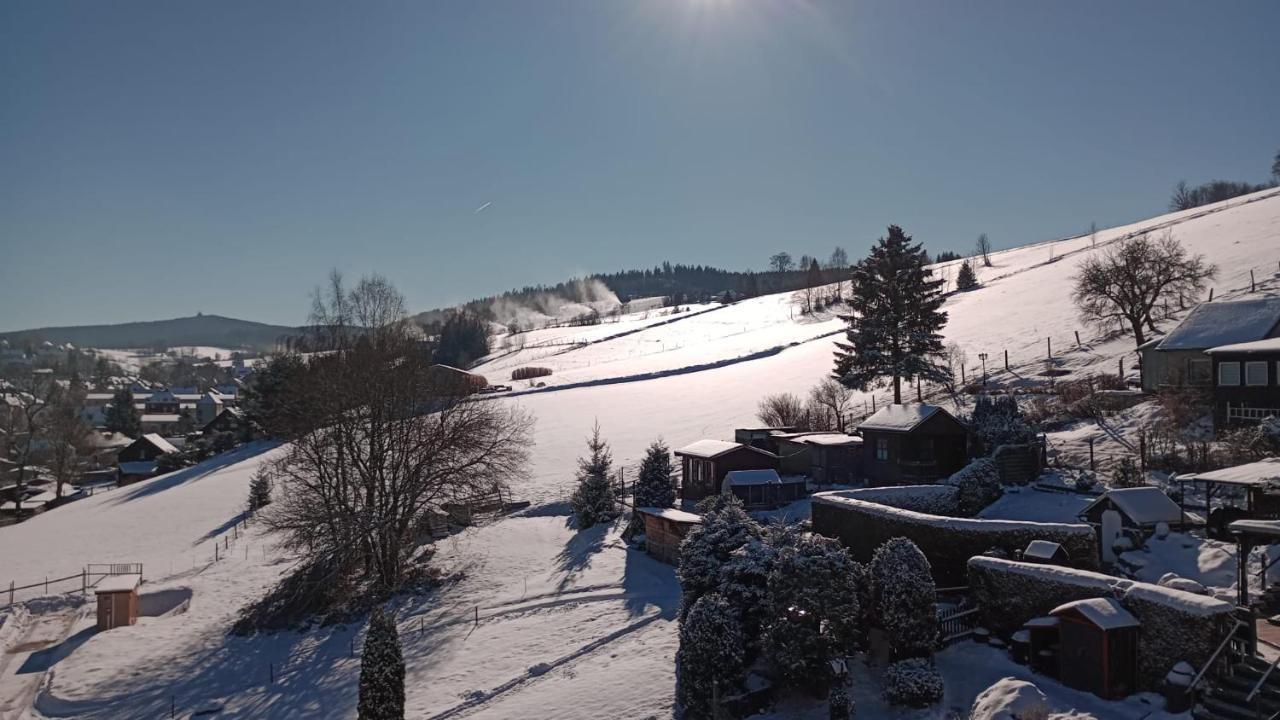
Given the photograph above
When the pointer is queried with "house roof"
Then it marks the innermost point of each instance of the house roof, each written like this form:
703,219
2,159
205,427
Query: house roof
752,477
671,514
1213,324
820,438
709,448
118,583
1261,472
160,443
1143,505
1041,549
1106,613
1269,345
900,418
1264,528
159,418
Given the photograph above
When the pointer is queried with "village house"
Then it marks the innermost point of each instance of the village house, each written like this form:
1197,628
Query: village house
138,460
828,458
912,443
230,420
1246,386
704,465
1179,360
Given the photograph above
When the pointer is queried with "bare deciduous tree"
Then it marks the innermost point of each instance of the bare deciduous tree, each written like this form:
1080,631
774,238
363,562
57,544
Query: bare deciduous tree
781,262
1126,281
66,439
783,410
829,405
983,248
35,392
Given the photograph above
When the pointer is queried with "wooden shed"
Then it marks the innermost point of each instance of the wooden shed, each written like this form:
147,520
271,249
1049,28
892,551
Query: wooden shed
664,530
761,437
912,444
1098,647
1046,552
117,600
762,489
828,458
704,464
1130,512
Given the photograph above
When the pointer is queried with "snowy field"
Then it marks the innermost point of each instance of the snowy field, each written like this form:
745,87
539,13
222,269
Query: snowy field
570,625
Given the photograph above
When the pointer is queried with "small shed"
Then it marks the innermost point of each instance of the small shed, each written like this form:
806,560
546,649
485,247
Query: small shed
912,444
1046,552
664,530
1097,647
761,437
826,457
705,463
759,489
117,600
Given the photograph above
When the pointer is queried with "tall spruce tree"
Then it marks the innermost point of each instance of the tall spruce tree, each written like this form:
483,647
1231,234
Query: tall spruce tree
895,320
381,671
654,487
121,416
966,279
593,499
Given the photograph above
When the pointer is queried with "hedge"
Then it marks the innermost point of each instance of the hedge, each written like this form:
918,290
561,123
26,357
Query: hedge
948,542
528,373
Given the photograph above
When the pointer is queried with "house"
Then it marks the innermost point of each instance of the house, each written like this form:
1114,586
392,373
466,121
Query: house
207,408
1178,359
912,444
160,423
162,402
1246,382
664,530
1098,647
138,460
763,489
230,420
1130,512
827,458
1046,552
705,463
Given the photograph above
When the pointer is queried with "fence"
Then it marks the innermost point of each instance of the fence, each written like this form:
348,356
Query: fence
89,576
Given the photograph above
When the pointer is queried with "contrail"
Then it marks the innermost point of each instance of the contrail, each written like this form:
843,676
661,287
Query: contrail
482,207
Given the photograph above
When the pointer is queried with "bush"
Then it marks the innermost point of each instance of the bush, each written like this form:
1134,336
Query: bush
1127,474
998,421
914,682
528,373
725,527
381,671
978,484
260,490
710,659
905,598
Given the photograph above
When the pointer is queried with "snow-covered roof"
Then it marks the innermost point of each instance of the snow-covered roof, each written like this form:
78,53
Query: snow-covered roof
1269,345
1041,549
1254,473
752,477
1213,324
709,448
209,398
820,438
1265,528
163,396
900,418
1143,505
671,514
159,418
118,583
160,443
1106,613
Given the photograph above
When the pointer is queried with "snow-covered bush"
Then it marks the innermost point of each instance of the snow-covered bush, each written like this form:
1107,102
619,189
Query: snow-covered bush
932,499
1126,474
593,500
1250,444
1086,481
839,707
1010,699
813,607
725,527
913,682
260,489
904,598
978,484
381,671
998,421
710,661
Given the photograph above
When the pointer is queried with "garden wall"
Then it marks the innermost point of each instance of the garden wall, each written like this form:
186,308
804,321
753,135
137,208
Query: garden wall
862,520
1176,625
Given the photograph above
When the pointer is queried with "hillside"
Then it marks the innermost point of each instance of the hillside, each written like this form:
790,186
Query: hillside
210,330
541,620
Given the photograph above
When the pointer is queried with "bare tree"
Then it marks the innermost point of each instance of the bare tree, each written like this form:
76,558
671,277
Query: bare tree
66,439
35,392
983,248
781,262
381,439
830,404
1126,281
783,410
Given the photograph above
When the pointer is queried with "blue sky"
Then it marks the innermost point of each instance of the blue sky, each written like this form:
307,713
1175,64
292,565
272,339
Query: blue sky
163,158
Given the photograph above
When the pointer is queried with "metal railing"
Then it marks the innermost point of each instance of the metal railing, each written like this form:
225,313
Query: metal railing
1231,634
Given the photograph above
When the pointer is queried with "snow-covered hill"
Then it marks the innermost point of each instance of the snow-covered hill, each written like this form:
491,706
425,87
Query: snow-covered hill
544,621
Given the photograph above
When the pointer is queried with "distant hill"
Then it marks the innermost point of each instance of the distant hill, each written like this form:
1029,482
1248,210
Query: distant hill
211,330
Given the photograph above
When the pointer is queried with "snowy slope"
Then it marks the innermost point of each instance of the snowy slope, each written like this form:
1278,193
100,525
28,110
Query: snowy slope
570,624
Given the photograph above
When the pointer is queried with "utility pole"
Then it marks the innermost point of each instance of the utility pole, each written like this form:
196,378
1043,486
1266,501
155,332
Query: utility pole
983,357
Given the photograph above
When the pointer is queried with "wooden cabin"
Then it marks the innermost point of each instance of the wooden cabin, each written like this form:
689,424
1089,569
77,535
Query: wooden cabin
117,601
764,438
664,530
704,464
230,420
1097,647
455,380
764,489
828,458
138,460
1178,359
1246,383
912,444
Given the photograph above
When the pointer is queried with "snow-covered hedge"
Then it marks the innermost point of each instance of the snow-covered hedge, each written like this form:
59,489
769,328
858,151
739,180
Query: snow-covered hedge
912,682
1176,625
977,485
948,542
933,499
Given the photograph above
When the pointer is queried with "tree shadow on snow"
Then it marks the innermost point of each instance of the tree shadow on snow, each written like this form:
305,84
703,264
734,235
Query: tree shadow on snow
42,660
647,581
578,553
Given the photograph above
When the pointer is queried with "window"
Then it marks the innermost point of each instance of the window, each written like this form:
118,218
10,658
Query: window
1255,373
1199,372
882,449
1229,373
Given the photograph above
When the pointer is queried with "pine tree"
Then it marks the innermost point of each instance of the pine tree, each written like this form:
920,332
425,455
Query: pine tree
904,598
593,500
966,279
381,671
895,320
725,527
710,661
121,416
654,487
259,490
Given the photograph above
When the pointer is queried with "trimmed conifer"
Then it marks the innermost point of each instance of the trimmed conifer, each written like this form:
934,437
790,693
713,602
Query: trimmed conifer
381,671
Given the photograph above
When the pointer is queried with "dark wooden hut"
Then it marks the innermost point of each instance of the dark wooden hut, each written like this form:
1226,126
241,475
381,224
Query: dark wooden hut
912,444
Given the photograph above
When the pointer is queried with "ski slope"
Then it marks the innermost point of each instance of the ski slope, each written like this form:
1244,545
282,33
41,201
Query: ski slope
541,620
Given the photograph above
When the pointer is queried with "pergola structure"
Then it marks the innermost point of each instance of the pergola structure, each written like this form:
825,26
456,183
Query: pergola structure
1249,491
1250,534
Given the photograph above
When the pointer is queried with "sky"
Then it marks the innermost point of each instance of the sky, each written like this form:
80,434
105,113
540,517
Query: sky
159,159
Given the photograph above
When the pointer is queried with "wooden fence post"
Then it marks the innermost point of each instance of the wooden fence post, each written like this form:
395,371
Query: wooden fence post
1006,360
1048,344
1077,338
1210,294
1092,466
1252,284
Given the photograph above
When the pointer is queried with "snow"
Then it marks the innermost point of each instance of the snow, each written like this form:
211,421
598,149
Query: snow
1214,324
1106,613
118,583
160,443
672,514
752,477
1037,506
708,448
1144,505
1189,603
899,418
1254,473
1009,699
975,524
1267,528
1269,345
822,438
